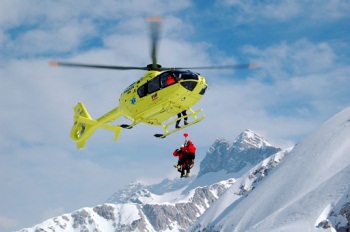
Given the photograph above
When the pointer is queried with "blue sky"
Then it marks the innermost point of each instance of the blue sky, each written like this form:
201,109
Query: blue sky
302,48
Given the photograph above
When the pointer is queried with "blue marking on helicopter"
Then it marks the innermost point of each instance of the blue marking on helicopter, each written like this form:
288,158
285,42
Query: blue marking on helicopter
133,100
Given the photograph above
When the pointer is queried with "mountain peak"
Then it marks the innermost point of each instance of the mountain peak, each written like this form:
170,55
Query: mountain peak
248,149
250,139
308,191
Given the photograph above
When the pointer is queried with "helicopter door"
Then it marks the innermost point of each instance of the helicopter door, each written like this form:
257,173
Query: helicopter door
147,95
166,79
153,85
168,91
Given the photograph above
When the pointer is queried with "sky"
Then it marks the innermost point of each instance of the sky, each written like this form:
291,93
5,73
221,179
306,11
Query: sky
303,78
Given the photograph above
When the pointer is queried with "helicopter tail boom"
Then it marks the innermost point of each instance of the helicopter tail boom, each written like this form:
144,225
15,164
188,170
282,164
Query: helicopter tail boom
84,126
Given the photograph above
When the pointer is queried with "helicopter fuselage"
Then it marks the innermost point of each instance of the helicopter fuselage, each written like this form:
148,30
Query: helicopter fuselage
156,98
153,99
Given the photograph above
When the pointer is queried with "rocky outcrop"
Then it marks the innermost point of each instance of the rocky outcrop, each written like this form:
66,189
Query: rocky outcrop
248,149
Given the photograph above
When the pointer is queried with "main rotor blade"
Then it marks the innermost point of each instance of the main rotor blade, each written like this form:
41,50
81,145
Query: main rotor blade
235,66
155,30
67,64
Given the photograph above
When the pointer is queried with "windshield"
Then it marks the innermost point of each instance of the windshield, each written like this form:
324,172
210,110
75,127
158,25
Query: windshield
187,79
185,75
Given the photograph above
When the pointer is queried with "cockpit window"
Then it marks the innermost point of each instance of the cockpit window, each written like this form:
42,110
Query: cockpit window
187,79
153,85
190,85
159,82
142,91
167,79
186,75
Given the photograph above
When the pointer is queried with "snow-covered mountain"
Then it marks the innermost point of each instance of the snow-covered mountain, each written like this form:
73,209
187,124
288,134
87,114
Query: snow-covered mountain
132,191
247,149
308,191
172,205
247,186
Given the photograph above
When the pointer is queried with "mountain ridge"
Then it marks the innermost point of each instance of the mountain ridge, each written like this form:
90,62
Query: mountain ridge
247,149
308,191
304,188
178,204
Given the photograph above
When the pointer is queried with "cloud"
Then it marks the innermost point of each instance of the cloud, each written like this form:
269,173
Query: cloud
43,42
43,29
19,12
7,223
301,57
287,10
329,10
279,11
289,94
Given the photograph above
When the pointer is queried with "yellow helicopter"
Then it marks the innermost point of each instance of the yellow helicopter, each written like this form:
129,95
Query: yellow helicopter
154,99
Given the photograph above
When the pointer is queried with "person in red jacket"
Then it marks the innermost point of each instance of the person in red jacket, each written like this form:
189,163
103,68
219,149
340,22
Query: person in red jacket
186,155
180,154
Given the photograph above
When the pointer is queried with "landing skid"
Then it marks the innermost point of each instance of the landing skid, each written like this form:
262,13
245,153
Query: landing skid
193,114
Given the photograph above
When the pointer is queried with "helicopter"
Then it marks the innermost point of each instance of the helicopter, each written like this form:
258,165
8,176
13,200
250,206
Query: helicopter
155,99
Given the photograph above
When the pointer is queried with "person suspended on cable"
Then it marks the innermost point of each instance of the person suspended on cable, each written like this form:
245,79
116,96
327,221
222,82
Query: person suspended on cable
189,156
179,153
186,154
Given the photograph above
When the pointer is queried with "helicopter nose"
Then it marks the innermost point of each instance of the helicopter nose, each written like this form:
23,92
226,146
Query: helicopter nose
204,89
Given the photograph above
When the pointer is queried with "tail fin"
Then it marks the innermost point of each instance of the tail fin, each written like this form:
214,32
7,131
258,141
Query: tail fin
83,123
84,126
